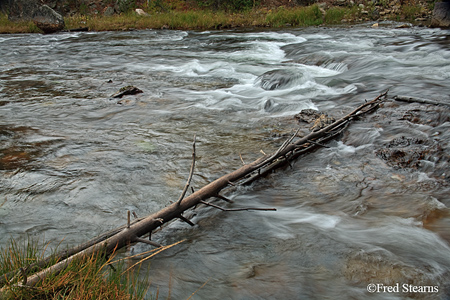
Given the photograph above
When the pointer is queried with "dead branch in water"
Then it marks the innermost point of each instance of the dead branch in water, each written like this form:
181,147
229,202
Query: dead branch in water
419,100
130,233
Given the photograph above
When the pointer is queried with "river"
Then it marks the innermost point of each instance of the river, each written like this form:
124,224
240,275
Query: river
366,218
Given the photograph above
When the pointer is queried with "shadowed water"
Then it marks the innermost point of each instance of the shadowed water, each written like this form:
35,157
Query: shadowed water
370,208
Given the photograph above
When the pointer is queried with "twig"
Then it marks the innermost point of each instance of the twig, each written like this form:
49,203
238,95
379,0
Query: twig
418,100
191,173
149,242
150,256
237,209
243,162
198,289
182,218
286,143
224,198
318,144
6,199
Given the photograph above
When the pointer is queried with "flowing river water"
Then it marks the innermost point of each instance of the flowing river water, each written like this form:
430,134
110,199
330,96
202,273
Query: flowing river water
372,208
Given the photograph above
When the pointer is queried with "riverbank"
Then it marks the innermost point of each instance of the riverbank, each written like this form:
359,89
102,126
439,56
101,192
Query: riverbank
89,278
267,14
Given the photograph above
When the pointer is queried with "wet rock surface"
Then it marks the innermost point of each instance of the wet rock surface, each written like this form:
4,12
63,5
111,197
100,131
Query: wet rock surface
427,152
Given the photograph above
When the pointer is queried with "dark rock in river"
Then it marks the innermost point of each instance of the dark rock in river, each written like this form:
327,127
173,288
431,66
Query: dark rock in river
127,90
277,79
441,14
48,20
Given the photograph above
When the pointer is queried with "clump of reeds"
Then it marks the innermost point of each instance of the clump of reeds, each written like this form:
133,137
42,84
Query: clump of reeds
84,279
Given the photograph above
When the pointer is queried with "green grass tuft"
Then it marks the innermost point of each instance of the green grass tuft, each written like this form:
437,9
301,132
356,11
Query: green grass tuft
90,278
334,15
7,26
300,16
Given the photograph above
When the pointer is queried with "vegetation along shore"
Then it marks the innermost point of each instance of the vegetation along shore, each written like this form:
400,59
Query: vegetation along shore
216,14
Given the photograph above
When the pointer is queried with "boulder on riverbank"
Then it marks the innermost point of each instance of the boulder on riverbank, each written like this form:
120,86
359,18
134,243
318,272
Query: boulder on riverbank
441,15
48,20
43,16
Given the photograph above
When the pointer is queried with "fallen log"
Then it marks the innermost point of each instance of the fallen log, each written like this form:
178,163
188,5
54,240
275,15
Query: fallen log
132,231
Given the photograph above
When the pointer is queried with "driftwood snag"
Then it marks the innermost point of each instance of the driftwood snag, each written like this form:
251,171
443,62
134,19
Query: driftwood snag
132,232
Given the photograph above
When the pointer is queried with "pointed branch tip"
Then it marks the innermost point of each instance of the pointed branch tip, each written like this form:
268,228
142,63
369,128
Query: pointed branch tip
148,242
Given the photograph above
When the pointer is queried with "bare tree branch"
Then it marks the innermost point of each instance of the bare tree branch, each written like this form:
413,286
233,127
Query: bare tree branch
191,173
236,209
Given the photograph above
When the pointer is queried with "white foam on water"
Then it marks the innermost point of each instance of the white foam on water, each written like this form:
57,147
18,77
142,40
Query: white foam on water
345,149
263,52
284,221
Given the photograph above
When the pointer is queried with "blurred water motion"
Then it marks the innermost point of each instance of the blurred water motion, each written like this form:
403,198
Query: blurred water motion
371,208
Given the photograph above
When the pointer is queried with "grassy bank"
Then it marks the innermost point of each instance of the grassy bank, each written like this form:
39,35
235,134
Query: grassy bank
90,278
198,19
6,26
